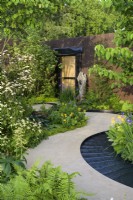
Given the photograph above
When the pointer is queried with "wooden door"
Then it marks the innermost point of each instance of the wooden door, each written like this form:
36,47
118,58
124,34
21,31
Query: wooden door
68,73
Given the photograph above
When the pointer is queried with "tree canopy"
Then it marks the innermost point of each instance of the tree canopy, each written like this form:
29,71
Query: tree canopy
54,19
18,15
80,18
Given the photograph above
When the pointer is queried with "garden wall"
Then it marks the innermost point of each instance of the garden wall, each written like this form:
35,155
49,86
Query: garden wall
88,43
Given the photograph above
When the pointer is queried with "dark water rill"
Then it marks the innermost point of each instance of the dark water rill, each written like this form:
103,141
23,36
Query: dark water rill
99,154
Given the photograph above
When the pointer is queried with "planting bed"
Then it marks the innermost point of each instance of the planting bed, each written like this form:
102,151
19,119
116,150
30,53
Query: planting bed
98,153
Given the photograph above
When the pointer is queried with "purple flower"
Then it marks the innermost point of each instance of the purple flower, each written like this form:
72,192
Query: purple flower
129,121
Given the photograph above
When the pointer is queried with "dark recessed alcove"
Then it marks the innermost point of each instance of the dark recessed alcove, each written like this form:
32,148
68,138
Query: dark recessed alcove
99,154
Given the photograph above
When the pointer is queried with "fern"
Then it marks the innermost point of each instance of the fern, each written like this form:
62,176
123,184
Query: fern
46,183
16,189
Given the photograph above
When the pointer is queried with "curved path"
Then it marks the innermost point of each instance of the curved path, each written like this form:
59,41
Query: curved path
64,149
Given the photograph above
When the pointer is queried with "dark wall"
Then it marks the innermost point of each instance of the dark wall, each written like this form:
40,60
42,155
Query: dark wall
88,44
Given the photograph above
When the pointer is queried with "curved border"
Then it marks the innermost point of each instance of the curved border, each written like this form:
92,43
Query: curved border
105,111
103,132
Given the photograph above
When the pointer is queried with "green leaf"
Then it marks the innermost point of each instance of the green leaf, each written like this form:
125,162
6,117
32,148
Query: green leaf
108,55
7,169
110,75
105,73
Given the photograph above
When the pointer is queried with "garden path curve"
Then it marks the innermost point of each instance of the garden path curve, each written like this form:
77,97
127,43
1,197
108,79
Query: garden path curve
64,149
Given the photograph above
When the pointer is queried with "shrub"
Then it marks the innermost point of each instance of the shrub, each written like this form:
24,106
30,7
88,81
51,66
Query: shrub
43,65
68,115
16,130
121,136
41,61
92,102
47,183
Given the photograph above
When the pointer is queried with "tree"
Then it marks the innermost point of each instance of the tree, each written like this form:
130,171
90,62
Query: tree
18,15
121,56
54,19
19,21
80,18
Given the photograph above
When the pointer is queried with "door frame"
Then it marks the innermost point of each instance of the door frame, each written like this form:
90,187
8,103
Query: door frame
69,51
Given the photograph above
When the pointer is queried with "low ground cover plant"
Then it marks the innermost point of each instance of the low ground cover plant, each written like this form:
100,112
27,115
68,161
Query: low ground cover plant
120,135
60,117
41,99
63,115
68,115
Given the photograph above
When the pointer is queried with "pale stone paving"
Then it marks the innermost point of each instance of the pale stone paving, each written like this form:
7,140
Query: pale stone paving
64,149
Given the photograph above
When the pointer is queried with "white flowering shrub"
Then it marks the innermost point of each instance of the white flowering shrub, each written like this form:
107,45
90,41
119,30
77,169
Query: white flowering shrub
44,62
39,58
16,130
19,70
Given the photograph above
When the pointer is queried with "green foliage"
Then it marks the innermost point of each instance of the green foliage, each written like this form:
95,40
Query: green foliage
101,88
101,96
58,128
67,95
124,34
68,115
127,107
121,136
93,101
48,182
44,62
80,18
41,99
119,79
8,167
121,56
30,54
16,15
52,119
16,130
55,19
